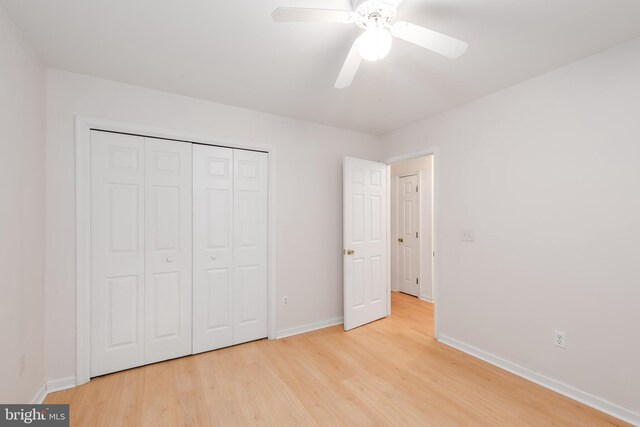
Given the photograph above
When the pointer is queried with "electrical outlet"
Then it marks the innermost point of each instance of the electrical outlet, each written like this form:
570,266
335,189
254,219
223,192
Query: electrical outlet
560,339
22,363
285,300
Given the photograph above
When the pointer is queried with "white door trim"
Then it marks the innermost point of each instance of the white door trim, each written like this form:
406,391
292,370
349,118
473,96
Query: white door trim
436,217
84,125
388,239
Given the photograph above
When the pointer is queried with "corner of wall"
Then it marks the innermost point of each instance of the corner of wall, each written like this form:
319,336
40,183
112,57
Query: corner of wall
22,144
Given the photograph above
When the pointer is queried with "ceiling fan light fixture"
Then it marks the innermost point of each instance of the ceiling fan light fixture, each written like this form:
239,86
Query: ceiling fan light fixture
377,19
374,44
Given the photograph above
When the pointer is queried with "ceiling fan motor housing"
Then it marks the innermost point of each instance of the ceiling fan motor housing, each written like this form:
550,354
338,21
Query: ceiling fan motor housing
374,12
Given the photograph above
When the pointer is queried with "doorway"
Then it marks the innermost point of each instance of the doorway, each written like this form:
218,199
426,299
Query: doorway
412,227
371,260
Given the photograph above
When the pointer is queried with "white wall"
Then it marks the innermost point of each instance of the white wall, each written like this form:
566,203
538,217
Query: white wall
308,179
22,152
424,165
548,174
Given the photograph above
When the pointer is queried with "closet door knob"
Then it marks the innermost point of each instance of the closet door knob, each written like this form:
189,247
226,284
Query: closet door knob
213,257
169,259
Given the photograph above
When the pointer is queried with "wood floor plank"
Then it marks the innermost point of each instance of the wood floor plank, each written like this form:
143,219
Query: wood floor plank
389,372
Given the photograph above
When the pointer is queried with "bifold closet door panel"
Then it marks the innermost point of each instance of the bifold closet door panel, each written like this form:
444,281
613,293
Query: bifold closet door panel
117,252
212,248
178,249
167,249
250,251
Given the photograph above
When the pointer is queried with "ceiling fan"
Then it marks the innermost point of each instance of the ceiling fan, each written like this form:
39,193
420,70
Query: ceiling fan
375,17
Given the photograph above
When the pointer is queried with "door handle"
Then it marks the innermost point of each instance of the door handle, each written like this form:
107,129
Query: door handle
400,239
350,252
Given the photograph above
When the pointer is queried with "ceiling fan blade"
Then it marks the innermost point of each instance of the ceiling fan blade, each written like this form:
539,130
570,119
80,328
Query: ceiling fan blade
429,39
296,14
350,67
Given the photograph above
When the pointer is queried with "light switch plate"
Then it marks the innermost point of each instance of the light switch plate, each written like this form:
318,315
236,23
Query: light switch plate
467,235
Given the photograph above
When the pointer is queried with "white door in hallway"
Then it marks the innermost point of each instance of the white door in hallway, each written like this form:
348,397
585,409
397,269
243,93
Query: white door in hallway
365,242
408,227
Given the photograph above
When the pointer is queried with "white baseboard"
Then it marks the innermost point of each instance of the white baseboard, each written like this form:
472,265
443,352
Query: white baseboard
40,395
308,328
605,406
60,384
51,387
426,298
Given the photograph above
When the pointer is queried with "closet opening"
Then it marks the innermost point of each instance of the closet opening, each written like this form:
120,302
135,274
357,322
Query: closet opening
175,237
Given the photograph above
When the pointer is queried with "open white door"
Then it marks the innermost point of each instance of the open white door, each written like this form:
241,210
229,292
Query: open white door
365,242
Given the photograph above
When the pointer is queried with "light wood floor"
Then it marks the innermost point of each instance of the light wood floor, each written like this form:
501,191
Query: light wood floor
390,372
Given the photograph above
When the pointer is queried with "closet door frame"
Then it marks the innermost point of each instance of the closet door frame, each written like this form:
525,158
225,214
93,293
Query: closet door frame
84,126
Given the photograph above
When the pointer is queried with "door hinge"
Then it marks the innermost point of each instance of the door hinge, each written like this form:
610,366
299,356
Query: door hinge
416,188
416,234
416,280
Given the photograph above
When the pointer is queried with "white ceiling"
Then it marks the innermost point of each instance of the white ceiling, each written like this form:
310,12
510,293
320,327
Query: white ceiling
231,52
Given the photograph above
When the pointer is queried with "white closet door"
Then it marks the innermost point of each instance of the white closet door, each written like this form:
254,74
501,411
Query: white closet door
117,252
250,259
212,248
167,249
